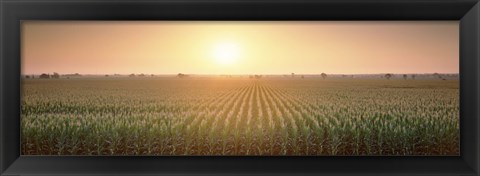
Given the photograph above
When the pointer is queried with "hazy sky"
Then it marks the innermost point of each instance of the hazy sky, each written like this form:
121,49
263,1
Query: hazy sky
167,47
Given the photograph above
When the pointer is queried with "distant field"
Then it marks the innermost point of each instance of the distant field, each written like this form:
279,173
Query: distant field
239,116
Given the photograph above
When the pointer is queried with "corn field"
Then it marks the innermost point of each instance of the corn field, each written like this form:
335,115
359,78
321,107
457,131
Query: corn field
239,116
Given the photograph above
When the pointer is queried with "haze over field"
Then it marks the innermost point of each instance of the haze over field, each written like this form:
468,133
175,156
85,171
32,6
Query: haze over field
161,47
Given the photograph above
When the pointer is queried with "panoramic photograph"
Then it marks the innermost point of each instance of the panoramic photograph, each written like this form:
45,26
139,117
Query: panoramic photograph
240,88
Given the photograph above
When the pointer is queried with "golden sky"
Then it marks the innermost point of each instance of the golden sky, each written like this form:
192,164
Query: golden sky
241,47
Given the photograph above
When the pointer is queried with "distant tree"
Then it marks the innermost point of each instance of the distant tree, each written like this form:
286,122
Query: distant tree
324,75
106,75
28,77
293,75
44,76
405,77
55,75
132,75
152,75
33,76
302,77
73,75
413,76
439,76
388,75
181,75
258,76
142,75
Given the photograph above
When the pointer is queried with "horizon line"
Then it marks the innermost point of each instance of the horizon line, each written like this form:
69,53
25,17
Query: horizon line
222,74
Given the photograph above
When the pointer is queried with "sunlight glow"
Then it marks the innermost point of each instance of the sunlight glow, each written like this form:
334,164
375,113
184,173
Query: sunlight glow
226,53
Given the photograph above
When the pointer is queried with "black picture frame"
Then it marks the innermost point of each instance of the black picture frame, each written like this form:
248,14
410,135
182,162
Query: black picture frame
12,12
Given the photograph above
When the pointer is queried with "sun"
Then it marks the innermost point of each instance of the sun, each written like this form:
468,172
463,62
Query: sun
226,53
